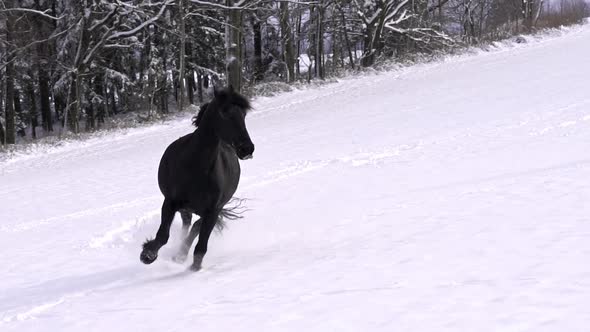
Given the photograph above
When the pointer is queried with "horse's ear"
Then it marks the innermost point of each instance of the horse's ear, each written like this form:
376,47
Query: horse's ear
215,92
230,88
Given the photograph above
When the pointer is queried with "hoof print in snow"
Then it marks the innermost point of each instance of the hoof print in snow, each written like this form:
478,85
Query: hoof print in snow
179,258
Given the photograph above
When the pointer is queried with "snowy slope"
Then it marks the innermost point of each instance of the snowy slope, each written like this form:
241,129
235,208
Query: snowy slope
444,197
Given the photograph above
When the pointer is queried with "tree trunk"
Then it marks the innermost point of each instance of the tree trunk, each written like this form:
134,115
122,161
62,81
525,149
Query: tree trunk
2,135
9,72
175,83
71,112
190,78
163,79
10,114
100,87
33,110
75,115
298,41
93,109
67,111
181,73
190,87
257,31
113,101
42,64
347,39
58,104
527,10
481,19
287,41
18,112
233,47
312,43
535,19
46,118
319,67
336,45
90,118
200,87
368,57
373,43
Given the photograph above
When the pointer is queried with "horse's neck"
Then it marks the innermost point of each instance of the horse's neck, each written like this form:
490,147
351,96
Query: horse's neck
205,143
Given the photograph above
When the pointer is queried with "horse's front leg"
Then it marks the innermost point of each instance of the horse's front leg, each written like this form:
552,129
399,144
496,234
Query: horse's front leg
207,226
150,248
188,242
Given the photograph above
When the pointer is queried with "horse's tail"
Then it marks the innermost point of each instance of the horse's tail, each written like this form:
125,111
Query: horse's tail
233,210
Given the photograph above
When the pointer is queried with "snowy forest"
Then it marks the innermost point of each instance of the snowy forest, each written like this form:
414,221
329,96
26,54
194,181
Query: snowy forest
70,65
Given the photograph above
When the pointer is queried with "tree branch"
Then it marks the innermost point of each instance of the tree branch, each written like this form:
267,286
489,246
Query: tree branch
27,10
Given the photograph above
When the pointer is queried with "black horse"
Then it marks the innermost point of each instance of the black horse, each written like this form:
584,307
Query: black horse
199,173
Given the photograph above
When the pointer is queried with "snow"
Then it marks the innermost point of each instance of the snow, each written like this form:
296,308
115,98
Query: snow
443,197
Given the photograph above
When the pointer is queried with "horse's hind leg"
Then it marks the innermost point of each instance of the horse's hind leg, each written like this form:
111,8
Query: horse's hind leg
186,221
207,226
188,242
150,248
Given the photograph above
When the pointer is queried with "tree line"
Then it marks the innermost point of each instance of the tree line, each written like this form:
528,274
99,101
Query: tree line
68,65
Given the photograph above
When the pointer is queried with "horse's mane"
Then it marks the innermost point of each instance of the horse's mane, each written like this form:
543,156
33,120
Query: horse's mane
225,96
197,118
229,96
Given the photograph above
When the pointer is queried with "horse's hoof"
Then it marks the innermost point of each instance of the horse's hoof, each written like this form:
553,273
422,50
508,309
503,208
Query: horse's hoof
148,256
195,267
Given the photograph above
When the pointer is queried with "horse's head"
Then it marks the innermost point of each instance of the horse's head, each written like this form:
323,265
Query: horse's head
231,125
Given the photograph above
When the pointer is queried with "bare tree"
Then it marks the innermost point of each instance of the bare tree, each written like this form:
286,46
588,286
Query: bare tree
233,45
182,54
287,41
10,135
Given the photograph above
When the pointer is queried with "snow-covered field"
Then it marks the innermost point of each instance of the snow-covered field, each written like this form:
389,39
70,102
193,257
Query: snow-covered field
443,197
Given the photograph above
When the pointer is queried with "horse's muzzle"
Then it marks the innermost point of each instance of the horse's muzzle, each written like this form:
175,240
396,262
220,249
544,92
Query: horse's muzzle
245,151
